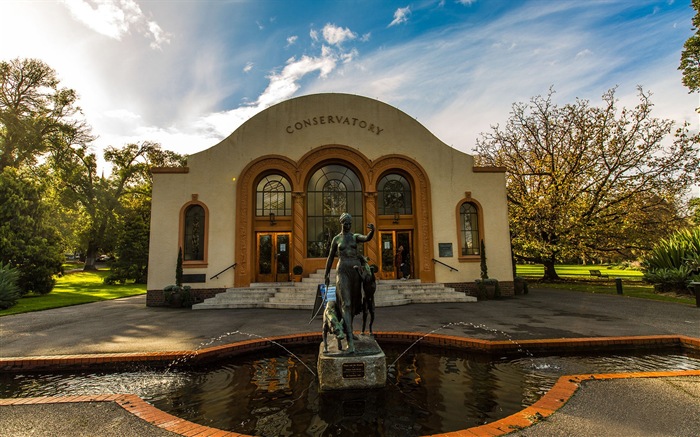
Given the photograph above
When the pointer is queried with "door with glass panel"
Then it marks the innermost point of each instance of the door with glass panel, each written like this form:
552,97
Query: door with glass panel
273,256
390,242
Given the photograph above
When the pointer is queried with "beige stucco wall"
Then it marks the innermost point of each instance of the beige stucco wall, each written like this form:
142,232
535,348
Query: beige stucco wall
386,131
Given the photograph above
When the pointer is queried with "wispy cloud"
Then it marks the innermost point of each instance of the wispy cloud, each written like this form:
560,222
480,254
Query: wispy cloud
292,40
335,35
401,16
115,19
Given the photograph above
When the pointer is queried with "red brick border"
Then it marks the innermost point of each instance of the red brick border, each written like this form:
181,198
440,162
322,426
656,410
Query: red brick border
554,399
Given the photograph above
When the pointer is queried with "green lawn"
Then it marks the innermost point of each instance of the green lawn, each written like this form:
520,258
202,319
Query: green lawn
579,271
74,289
578,278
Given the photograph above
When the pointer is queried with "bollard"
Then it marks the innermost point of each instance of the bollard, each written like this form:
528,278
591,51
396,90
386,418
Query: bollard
695,288
618,285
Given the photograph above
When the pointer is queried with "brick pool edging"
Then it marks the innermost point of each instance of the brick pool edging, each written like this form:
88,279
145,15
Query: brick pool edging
513,347
555,398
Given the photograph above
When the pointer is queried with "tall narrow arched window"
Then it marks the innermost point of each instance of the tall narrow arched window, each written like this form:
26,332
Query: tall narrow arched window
331,191
470,240
273,196
193,240
394,195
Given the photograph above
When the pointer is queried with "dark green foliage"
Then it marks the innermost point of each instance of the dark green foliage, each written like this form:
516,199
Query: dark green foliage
178,297
178,268
131,249
484,269
690,56
9,290
27,242
674,262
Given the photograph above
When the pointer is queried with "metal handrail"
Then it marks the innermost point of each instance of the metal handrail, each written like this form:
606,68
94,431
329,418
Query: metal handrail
216,275
449,267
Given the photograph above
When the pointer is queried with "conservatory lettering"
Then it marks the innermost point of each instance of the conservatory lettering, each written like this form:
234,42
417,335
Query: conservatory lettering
334,119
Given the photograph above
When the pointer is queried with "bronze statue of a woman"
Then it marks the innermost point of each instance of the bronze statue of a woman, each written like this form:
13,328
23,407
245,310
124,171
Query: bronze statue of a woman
348,283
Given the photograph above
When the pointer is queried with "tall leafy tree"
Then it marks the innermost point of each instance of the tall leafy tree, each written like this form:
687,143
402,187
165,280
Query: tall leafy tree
100,197
28,242
37,116
586,180
690,56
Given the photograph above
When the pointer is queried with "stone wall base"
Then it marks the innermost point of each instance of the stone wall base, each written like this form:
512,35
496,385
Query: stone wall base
506,288
156,298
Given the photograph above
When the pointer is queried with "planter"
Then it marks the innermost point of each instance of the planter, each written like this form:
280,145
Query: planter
488,289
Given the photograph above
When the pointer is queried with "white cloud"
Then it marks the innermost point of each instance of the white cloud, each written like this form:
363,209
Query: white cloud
314,35
401,16
115,18
248,67
336,35
291,40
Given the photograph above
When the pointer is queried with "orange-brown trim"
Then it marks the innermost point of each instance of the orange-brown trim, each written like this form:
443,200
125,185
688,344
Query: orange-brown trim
245,206
480,219
489,169
181,233
299,173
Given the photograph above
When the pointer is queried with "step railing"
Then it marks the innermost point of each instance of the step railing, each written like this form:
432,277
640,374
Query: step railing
449,267
232,266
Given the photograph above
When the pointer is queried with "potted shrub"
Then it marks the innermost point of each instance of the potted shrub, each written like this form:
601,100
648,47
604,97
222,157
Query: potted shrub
178,296
298,271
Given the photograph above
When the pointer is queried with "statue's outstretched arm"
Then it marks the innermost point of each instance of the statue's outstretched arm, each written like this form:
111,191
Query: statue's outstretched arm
364,238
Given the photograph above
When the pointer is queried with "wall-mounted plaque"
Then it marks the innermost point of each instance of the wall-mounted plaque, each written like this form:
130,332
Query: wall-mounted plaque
445,250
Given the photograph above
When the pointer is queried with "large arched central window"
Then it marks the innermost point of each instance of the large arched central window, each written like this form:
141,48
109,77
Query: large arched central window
332,190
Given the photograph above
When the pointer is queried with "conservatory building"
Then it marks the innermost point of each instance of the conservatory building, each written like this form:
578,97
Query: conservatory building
262,206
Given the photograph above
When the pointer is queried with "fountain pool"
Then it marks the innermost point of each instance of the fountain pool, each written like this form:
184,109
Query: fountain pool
429,390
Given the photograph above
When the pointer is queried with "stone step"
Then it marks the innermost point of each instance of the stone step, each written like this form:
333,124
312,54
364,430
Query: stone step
301,295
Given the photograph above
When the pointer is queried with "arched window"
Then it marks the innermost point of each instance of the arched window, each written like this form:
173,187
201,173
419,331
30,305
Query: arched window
470,240
394,195
331,191
193,239
273,195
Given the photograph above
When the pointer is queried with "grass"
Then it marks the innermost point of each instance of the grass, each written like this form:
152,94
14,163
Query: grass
74,289
578,271
578,278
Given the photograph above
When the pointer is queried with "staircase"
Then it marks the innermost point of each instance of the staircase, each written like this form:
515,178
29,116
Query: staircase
301,295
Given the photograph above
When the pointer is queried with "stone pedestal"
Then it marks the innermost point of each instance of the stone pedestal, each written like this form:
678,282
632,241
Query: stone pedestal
366,368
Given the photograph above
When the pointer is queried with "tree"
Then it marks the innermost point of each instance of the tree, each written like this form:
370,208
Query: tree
27,242
37,117
99,197
694,206
131,249
690,56
590,181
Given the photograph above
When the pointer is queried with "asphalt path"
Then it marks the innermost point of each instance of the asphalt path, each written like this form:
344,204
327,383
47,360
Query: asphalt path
128,325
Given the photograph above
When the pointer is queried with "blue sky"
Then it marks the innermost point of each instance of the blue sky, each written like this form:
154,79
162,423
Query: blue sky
188,73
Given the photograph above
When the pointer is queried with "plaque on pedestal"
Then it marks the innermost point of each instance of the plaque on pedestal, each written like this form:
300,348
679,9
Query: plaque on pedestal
366,368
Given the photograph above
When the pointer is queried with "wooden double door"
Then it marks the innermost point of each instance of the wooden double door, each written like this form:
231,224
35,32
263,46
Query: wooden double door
273,253
390,242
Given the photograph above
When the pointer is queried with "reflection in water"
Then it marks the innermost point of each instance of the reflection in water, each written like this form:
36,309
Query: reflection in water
429,390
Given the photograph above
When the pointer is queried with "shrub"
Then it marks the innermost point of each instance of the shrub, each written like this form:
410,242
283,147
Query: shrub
674,262
178,296
9,290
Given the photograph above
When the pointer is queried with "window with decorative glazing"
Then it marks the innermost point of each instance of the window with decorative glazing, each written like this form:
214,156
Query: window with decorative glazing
331,191
469,219
193,249
394,195
273,195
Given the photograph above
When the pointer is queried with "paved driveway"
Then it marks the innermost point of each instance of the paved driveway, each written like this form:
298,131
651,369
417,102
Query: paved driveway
127,325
